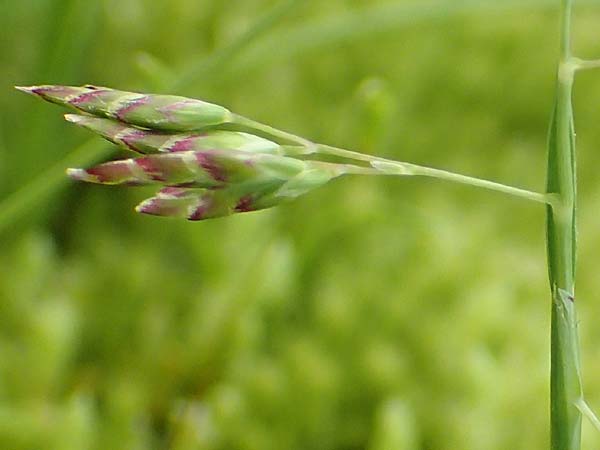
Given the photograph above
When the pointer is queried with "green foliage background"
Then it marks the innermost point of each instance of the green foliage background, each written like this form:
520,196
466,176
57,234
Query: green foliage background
372,314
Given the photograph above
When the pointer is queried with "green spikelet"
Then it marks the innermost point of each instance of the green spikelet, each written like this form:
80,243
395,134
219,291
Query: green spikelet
201,204
152,141
208,168
161,112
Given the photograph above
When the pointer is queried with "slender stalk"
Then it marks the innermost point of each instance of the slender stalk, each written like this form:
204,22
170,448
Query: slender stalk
478,182
385,166
584,408
390,167
583,64
245,122
565,377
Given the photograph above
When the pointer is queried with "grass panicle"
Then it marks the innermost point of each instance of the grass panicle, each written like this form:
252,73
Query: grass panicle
187,151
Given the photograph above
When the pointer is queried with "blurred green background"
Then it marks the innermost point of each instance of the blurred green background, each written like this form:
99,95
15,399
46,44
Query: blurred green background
377,314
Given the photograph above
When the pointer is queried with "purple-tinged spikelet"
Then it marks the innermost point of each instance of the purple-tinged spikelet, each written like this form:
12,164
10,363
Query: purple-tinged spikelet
152,141
203,173
206,169
161,112
201,204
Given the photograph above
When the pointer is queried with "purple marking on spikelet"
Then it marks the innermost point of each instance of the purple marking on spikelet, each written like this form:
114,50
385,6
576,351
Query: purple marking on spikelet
189,184
208,163
199,213
149,166
51,93
244,204
176,106
105,173
172,192
132,105
81,175
183,145
202,209
130,139
41,90
86,97
151,206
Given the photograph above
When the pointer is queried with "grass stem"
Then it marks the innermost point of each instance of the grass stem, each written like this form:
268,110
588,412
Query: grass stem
565,373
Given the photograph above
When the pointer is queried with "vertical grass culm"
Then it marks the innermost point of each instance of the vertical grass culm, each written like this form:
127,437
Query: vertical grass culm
566,393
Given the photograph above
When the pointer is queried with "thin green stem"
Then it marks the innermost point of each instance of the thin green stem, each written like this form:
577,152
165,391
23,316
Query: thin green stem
385,166
565,373
583,64
389,167
258,126
565,29
588,413
477,182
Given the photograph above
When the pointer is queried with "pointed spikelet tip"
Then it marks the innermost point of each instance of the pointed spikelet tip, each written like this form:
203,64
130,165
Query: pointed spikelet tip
73,118
145,206
27,89
80,175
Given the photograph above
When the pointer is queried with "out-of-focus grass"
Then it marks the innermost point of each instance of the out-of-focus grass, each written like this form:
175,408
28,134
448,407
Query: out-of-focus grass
372,314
